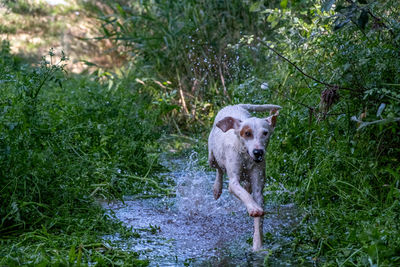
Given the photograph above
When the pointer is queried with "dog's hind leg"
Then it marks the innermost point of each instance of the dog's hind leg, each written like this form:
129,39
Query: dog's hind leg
218,184
217,189
258,233
211,159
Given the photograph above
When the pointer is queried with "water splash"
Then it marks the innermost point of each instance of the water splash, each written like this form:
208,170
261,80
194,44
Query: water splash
194,196
193,228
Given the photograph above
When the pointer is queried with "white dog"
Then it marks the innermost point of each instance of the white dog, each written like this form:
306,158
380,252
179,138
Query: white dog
236,146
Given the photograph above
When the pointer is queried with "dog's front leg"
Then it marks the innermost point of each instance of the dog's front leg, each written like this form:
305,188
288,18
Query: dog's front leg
258,233
257,183
235,188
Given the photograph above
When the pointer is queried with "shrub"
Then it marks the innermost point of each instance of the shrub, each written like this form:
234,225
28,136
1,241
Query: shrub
66,140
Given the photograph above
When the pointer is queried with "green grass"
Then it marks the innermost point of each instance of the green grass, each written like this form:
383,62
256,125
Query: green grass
70,239
66,141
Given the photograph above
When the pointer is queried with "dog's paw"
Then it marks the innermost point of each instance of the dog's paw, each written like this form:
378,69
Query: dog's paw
217,191
255,211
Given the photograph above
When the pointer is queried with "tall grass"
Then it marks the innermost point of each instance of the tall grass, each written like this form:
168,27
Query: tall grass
64,142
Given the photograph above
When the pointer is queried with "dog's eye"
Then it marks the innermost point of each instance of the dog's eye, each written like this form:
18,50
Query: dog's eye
248,134
265,133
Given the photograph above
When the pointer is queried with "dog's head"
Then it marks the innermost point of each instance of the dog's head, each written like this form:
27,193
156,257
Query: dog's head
254,133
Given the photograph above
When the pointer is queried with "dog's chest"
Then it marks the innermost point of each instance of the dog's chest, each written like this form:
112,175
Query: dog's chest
246,166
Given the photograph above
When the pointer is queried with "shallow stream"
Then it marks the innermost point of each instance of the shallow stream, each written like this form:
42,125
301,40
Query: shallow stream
193,229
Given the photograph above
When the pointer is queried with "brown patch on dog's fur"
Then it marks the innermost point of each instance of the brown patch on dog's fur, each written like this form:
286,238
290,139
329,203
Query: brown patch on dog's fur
244,130
228,123
272,119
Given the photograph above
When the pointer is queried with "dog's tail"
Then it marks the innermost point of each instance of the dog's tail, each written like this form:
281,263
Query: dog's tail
259,108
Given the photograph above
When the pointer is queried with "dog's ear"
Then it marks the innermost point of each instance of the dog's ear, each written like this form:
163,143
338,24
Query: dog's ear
272,118
228,123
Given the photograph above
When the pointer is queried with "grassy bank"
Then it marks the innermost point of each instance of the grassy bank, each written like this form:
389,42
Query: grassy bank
67,140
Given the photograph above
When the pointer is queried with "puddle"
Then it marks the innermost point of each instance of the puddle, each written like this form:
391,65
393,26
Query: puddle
193,228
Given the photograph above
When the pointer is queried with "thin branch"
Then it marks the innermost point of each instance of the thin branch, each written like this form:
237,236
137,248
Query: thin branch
363,124
185,109
223,82
301,71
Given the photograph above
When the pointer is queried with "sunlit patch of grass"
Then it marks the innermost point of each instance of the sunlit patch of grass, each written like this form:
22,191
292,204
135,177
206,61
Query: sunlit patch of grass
70,28
40,26
28,7
29,34
40,8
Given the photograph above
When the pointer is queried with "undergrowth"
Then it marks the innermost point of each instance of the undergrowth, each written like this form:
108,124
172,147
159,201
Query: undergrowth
66,141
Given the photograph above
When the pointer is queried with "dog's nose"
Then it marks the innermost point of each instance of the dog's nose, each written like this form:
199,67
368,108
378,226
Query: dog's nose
258,153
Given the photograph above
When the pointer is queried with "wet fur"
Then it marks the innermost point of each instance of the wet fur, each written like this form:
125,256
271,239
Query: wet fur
234,139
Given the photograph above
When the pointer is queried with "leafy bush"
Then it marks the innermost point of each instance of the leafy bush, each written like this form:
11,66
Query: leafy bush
338,153
65,141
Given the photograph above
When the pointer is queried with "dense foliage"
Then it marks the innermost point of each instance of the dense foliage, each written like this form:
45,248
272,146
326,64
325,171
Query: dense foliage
65,141
332,65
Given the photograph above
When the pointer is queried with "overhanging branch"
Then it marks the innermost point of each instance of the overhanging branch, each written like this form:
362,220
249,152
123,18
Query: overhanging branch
304,73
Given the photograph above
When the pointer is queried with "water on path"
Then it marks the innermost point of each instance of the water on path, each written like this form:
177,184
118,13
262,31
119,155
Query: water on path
193,228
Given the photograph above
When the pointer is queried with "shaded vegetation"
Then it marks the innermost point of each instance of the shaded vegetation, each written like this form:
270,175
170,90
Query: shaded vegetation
333,66
64,142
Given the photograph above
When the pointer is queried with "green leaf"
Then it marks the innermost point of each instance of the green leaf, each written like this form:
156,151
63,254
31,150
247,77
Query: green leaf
256,6
88,63
271,18
79,259
274,23
72,254
121,10
284,4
